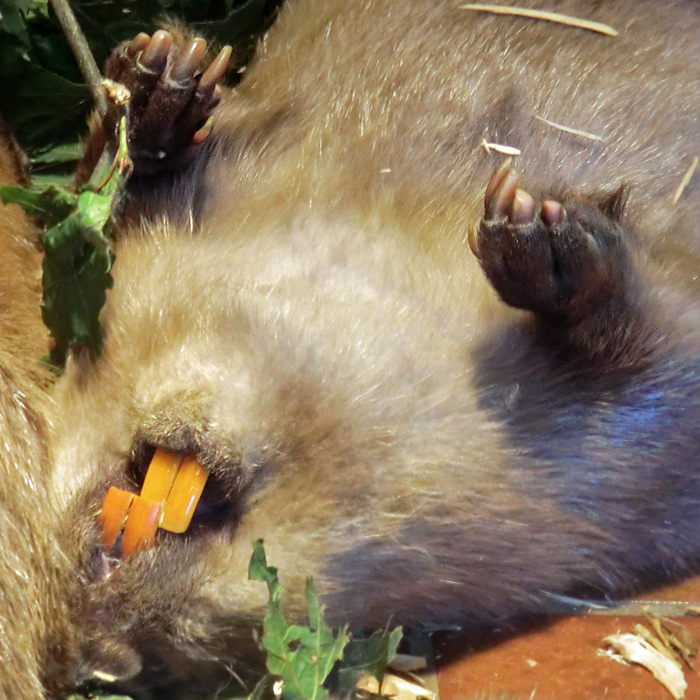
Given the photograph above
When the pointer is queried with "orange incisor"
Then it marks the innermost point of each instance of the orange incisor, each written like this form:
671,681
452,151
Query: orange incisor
171,490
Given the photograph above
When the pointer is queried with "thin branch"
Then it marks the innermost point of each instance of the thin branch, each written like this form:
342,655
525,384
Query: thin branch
81,50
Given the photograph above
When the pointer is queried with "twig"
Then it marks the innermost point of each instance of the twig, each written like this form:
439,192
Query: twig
82,53
547,16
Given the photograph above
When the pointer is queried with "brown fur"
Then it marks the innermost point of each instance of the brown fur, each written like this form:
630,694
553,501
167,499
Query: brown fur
32,625
302,311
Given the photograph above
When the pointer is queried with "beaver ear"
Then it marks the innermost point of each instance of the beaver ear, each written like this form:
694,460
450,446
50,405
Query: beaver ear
613,204
107,660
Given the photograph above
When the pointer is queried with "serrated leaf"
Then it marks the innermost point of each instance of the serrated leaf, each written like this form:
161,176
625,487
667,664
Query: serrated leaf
76,277
302,657
50,205
77,262
93,212
258,570
366,656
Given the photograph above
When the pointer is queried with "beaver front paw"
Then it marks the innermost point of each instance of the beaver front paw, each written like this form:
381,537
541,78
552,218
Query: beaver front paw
558,260
172,97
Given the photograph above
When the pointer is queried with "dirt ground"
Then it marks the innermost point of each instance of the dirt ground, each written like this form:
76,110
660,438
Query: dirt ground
561,661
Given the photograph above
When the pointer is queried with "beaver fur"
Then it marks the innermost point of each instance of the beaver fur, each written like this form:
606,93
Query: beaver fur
33,624
298,306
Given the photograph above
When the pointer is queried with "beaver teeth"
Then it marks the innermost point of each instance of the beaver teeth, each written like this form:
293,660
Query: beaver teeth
169,496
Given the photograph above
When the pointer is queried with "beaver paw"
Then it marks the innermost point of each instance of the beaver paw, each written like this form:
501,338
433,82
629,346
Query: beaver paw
558,260
172,97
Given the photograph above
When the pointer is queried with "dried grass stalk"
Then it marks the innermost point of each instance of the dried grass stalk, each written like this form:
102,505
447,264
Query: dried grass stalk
636,650
679,192
556,17
570,130
500,148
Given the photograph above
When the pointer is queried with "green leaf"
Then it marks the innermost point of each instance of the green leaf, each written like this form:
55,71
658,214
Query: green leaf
40,106
76,277
50,205
12,21
258,570
93,213
77,262
371,656
302,657
43,182
64,153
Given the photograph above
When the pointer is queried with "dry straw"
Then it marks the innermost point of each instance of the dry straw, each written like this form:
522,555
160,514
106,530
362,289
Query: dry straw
543,15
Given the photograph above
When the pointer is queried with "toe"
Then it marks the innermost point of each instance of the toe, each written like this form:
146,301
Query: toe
155,54
138,44
552,213
188,60
523,211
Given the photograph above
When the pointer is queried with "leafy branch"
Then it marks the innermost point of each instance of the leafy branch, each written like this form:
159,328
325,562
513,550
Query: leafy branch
78,253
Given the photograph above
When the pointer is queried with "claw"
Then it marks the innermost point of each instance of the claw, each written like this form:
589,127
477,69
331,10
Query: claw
138,43
155,55
188,60
497,178
216,69
500,205
201,134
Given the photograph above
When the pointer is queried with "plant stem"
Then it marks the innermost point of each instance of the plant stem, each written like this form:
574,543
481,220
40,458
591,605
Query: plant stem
81,50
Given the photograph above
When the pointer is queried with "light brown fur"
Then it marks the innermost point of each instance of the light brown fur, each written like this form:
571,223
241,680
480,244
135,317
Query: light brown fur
32,623
301,310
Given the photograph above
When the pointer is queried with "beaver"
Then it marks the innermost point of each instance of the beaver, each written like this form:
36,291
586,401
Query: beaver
444,384
32,627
